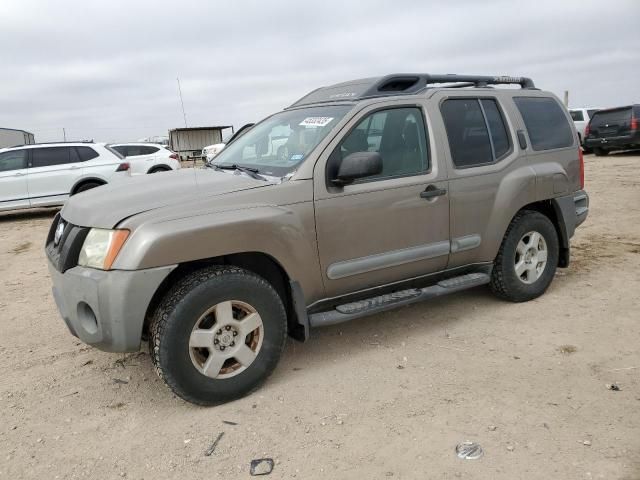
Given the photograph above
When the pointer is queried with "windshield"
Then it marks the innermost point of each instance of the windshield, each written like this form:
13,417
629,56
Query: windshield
277,145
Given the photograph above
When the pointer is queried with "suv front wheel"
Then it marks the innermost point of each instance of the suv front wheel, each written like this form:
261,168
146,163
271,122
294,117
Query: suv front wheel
217,335
527,260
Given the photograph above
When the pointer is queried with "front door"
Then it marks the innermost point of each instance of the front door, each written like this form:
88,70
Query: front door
13,180
384,228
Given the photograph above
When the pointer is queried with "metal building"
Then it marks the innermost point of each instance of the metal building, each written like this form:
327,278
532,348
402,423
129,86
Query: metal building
189,142
10,137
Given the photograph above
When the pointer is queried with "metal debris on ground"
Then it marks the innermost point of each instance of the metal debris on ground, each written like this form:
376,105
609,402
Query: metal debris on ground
213,446
469,450
261,466
613,386
120,381
228,422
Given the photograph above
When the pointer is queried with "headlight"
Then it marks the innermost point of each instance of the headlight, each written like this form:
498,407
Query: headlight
101,247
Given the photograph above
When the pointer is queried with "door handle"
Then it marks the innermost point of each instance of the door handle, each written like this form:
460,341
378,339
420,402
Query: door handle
19,174
75,167
522,140
432,191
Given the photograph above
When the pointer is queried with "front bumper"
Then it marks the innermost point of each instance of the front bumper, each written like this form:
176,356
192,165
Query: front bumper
106,309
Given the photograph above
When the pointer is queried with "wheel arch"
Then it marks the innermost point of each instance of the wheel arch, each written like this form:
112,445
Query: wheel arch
259,263
86,180
159,167
556,211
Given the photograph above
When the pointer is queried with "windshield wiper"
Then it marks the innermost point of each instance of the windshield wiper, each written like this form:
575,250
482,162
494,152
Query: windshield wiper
252,172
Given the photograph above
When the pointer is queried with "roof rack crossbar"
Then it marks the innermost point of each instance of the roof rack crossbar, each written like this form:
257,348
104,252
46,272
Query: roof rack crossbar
407,83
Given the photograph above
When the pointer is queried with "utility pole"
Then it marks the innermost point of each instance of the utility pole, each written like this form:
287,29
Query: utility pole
566,98
181,102
64,134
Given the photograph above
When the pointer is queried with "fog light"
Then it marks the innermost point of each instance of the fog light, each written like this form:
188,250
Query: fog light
87,318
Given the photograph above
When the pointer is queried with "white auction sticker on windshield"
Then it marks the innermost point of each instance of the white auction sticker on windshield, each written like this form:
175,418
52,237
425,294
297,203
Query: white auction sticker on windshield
316,122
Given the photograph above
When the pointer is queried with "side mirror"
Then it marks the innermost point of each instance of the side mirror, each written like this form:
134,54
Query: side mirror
358,165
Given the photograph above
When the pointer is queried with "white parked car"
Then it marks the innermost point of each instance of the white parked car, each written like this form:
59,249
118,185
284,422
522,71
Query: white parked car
148,157
209,152
43,175
581,117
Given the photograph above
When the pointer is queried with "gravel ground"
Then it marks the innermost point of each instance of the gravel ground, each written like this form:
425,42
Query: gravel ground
389,396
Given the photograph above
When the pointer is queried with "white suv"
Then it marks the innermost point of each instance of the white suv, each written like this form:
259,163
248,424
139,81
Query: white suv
581,117
44,175
148,157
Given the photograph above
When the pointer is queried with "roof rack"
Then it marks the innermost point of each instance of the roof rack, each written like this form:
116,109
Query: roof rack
405,84
51,143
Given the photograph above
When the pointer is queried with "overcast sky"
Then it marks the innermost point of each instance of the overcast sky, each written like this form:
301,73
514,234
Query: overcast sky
107,70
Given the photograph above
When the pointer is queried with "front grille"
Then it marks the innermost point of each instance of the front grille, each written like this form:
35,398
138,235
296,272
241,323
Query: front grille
64,254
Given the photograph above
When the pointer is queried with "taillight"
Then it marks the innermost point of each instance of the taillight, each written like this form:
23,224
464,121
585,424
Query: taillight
634,123
581,168
123,167
174,156
587,130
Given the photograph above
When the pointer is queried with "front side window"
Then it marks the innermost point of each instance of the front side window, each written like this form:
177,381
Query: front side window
476,131
13,160
46,157
546,123
397,134
279,144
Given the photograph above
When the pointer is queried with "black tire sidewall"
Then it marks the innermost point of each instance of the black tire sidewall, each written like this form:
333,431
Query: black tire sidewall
174,358
516,289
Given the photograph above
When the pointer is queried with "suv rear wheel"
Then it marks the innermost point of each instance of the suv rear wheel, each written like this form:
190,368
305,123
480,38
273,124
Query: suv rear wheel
600,152
527,259
218,334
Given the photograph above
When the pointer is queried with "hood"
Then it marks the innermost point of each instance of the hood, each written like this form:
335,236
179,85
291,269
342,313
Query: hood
106,206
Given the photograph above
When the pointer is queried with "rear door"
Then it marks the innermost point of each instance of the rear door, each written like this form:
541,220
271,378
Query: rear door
141,157
52,173
13,180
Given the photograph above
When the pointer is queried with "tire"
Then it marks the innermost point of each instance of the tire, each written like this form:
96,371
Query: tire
600,152
183,311
506,283
87,186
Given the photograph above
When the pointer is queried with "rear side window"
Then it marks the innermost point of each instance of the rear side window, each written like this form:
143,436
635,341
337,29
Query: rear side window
133,150
13,160
546,123
47,157
121,149
86,153
576,115
476,131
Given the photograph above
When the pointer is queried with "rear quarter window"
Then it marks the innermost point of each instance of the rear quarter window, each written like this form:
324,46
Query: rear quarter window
576,115
546,122
86,153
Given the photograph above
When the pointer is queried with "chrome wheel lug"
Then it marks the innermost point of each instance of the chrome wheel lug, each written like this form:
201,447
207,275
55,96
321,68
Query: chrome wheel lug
227,328
233,344
222,347
216,341
235,334
219,331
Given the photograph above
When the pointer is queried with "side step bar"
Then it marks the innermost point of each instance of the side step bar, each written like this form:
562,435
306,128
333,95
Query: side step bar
369,306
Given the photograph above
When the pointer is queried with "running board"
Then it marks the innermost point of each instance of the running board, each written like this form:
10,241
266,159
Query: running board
369,306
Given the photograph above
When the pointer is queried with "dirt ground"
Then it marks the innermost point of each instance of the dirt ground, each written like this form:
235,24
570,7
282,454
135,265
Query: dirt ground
389,396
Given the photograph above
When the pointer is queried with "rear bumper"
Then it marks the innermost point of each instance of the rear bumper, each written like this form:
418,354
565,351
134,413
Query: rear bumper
571,211
609,143
106,309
